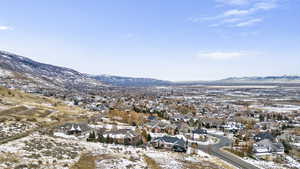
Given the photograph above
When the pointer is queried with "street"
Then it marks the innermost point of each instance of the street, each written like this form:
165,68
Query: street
215,150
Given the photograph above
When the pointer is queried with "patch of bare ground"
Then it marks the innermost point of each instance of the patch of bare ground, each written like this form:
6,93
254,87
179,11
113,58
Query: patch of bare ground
9,157
151,163
86,161
13,110
200,165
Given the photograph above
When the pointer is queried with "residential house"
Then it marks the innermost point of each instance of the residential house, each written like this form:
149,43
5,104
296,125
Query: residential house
160,127
170,143
232,126
182,128
73,128
266,147
199,134
123,136
263,136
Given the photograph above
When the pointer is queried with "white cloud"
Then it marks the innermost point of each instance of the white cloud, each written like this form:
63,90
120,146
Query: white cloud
236,12
231,20
250,22
244,16
265,5
5,28
217,55
262,6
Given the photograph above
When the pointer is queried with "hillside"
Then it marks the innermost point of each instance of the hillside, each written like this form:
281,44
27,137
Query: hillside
21,72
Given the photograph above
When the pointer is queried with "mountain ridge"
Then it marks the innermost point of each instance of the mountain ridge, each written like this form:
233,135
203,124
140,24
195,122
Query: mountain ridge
15,67
21,71
131,81
52,76
264,79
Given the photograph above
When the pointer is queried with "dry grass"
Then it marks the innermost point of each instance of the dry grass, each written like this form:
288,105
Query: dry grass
128,117
86,161
13,110
8,157
44,111
151,163
200,166
43,106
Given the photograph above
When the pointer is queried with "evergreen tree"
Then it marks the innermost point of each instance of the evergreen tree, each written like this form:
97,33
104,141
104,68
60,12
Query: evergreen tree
148,137
101,139
92,136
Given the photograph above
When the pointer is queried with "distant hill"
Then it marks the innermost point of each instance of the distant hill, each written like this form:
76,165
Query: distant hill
266,79
130,81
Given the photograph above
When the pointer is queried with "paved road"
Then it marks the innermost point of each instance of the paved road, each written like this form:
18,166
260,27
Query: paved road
215,150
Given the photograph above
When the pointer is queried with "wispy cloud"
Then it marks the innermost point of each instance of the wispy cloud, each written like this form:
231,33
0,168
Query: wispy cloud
266,5
5,28
219,55
237,17
231,20
237,12
249,22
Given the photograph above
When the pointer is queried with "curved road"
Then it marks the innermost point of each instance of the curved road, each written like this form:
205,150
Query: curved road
215,150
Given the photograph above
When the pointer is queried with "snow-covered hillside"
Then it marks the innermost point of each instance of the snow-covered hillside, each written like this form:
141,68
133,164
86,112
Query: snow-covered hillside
21,70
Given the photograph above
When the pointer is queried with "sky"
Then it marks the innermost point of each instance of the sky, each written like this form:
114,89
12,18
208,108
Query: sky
164,39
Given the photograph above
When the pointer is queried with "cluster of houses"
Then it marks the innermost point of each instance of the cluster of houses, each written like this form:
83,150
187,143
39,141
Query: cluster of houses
112,135
166,116
167,137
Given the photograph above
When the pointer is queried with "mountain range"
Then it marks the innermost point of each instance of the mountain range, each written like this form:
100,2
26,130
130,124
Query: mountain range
130,81
16,70
19,70
265,79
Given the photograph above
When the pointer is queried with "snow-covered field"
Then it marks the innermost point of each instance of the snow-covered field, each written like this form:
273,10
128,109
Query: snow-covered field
5,73
278,108
10,129
217,132
165,160
42,151
170,160
291,163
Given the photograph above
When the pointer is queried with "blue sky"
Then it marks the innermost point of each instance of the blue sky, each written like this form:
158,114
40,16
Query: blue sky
164,39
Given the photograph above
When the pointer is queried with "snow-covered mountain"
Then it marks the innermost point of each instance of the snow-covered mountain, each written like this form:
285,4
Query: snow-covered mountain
20,71
130,81
266,79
